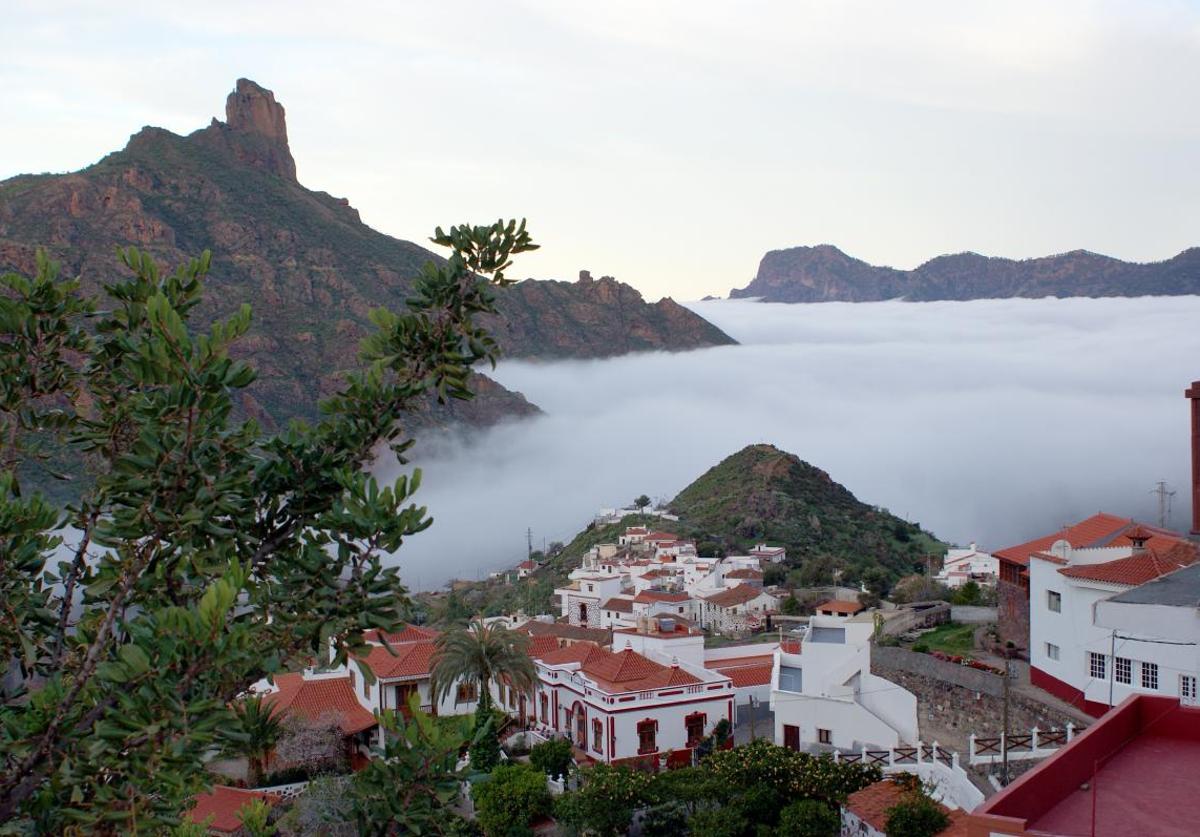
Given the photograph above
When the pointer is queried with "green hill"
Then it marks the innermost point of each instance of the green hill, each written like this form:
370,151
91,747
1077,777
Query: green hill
763,494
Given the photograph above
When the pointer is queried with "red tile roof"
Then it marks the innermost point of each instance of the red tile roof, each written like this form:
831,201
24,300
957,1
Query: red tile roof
224,805
564,630
618,605
407,659
744,573
839,606
527,565
1098,530
872,803
410,633
312,699
625,671
735,595
539,645
744,671
1138,568
662,536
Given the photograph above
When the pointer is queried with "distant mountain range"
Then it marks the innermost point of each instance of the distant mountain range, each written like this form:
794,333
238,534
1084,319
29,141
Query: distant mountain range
303,259
826,274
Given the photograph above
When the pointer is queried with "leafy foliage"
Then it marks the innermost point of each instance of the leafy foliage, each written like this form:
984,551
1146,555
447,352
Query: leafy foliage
482,653
512,798
205,555
410,785
607,800
255,732
916,816
553,757
810,818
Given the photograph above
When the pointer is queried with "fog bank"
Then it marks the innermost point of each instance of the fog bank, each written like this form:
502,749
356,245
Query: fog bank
991,421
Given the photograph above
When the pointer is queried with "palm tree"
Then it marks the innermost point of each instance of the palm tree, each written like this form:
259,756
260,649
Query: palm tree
481,653
255,735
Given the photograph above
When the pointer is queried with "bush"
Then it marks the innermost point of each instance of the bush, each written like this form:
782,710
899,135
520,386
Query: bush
485,752
554,757
721,822
916,816
669,819
809,818
607,800
921,648
511,799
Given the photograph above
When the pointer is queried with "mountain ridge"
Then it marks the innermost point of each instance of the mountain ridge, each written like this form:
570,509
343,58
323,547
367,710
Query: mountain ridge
304,260
824,273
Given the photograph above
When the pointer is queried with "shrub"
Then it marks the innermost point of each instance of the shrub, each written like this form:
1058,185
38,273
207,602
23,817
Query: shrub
809,818
511,799
921,648
668,819
485,752
607,800
552,757
916,816
720,822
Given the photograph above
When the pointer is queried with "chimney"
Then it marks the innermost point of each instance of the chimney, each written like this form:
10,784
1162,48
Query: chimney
1193,395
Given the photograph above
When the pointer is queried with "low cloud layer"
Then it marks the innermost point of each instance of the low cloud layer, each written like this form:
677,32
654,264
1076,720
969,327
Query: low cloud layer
991,421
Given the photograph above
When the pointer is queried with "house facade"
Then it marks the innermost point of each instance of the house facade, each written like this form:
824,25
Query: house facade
970,564
737,610
824,695
1084,662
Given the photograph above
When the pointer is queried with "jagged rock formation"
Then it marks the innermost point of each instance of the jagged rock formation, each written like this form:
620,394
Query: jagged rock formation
303,259
826,274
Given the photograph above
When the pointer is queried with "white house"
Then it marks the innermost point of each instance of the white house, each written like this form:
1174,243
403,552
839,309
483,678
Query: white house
769,554
624,704
736,610
1155,633
525,568
824,695
580,600
970,564
1070,654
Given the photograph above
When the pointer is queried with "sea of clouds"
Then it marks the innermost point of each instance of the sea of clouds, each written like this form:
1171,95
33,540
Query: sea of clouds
989,421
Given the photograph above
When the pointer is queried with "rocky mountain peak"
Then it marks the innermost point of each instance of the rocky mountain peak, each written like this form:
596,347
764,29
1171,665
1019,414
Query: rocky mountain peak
259,128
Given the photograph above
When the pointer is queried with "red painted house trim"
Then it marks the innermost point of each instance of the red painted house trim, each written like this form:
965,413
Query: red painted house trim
1065,691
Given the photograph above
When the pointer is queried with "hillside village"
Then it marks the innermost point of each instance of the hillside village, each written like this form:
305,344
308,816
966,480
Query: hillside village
656,656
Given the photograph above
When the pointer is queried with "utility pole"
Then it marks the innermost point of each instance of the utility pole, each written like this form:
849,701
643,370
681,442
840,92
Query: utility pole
1004,723
529,543
752,735
1164,502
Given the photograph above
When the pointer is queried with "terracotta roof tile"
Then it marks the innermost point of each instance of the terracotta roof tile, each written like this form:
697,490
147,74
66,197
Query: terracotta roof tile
1098,530
1138,568
744,573
224,805
871,805
735,595
408,659
618,605
647,596
563,630
311,699
410,633
840,606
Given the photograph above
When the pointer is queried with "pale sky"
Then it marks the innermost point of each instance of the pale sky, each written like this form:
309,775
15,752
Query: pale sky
669,144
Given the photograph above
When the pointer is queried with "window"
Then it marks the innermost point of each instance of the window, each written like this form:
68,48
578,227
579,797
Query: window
353,684
597,735
646,731
1052,650
1054,601
1187,688
1097,666
1123,670
545,709
1149,675
694,724
468,692
824,736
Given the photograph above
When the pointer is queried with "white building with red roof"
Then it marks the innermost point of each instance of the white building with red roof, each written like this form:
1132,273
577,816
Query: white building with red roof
526,568
971,563
626,704
1070,655
737,610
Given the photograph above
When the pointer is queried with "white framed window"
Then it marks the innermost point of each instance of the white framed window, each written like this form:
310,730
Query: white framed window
1187,688
1123,670
1054,601
1052,650
1149,675
1097,666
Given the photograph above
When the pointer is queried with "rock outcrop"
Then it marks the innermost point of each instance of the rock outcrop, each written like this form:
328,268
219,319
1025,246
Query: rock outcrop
303,259
826,274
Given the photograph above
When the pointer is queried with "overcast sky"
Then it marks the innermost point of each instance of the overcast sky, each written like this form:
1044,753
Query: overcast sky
667,143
